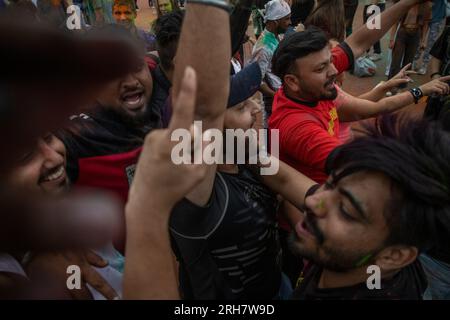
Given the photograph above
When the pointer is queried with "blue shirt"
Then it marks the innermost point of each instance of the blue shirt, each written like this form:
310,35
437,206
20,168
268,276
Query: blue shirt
438,11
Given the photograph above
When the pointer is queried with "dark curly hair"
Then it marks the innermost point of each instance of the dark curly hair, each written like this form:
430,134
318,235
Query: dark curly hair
167,29
415,155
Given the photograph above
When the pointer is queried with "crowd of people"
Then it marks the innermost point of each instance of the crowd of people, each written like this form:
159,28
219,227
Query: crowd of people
90,180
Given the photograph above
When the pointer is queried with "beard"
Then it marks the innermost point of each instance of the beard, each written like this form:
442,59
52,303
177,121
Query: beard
318,94
133,120
336,259
331,94
281,30
333,259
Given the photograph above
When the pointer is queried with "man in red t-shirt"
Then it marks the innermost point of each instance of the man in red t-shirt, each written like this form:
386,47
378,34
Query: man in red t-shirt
304,108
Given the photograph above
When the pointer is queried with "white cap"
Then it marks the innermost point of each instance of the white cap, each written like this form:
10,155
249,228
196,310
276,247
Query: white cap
276,9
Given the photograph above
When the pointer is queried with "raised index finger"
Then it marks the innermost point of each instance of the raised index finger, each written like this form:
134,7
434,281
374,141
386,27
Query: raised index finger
444,79
406,67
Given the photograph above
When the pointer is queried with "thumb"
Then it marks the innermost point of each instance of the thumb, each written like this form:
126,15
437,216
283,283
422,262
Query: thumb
95,260
444,79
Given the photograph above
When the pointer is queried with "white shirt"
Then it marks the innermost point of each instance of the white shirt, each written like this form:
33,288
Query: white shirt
9,264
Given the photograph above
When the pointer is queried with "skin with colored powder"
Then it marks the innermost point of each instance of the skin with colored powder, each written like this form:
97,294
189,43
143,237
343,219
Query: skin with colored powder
165,6
124,13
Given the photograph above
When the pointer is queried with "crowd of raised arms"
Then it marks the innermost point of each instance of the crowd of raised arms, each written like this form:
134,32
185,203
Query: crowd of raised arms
103,194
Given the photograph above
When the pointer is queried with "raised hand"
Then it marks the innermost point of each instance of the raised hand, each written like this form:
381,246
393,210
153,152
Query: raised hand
437,86
55,264
158,180
150,271
400,78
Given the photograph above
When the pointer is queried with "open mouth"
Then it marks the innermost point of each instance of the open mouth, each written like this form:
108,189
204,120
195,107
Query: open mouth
55,181
330,85
133,99
55,175
304,230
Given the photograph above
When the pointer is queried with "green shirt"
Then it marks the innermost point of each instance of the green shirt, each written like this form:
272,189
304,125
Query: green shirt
106,8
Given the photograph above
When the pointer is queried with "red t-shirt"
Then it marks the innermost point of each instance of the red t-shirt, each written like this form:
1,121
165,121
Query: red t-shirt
309,133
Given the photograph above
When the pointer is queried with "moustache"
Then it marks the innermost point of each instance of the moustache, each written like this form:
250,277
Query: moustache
133,88
138,89
331,81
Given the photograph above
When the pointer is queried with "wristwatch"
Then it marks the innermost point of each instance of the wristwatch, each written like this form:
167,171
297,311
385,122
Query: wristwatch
417,94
